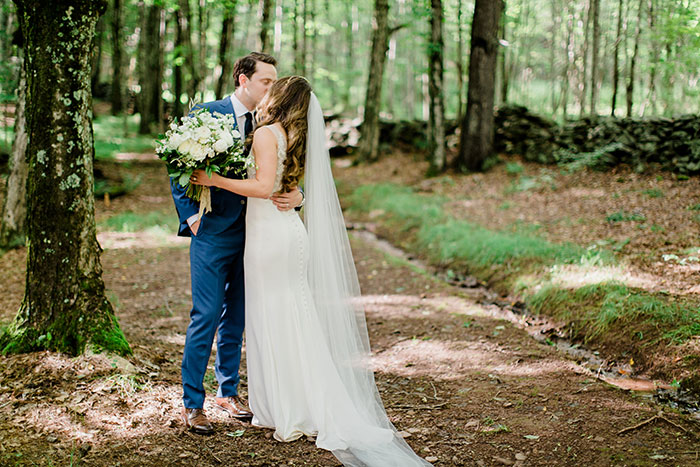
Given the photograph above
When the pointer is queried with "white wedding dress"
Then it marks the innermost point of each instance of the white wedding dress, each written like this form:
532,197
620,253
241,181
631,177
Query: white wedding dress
307,374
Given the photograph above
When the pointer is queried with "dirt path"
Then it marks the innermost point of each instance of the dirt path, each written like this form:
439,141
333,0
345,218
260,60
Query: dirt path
464,387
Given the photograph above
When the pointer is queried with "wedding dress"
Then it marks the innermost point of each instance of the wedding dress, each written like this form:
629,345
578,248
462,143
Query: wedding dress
306,339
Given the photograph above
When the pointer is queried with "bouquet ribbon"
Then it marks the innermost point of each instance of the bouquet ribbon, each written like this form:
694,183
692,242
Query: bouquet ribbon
204,201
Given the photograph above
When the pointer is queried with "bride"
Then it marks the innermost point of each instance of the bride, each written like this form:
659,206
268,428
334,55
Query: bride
306,336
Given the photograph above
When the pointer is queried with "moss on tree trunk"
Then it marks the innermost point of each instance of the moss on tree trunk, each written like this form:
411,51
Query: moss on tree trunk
64,306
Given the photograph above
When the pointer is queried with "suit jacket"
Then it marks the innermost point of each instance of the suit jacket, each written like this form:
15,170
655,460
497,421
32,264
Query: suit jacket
227,207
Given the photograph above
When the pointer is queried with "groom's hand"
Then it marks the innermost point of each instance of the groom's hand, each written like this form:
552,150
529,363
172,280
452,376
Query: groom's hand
195,227
287,201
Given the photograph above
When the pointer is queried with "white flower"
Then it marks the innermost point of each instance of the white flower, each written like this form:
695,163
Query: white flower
236,134
198,152
186,147
202,134
174,141
221,146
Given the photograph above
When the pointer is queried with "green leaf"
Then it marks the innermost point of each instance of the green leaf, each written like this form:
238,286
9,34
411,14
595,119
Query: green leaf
184,180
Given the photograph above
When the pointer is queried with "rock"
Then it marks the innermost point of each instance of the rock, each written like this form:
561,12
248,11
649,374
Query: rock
520,456
503,461
431,459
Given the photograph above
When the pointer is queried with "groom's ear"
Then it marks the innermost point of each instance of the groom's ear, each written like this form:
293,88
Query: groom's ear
242,79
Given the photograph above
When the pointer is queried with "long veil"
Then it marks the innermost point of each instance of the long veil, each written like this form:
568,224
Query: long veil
336,292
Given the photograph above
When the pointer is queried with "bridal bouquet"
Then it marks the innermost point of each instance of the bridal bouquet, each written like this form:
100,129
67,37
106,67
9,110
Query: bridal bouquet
206,141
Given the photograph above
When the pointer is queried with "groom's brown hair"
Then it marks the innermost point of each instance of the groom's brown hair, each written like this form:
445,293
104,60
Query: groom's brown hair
246,65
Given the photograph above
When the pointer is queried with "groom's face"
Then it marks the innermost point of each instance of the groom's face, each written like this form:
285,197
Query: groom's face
256,86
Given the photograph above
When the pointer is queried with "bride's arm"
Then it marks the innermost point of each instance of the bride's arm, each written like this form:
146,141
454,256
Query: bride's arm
265,150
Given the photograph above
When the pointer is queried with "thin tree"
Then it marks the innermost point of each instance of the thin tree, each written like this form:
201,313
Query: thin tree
477,131
586,48
595,6
459,61
297,44
506,68
225,41
436,122
556,26
655,56
369,143
64,306
14,212
629,94
150,60
616,57
202,26
266,7
117,94
569,63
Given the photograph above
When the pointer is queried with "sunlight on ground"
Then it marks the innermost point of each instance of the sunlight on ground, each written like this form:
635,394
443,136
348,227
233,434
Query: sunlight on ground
135,156
449,360
455,360
151,238
571,276
390,306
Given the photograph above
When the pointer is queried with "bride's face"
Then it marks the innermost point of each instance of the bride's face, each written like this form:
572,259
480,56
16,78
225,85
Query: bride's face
259,83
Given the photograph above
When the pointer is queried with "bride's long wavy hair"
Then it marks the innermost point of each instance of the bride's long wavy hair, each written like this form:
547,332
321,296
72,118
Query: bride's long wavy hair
287,102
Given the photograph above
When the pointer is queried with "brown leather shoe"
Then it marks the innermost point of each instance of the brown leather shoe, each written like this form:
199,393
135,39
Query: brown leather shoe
197,422
235,406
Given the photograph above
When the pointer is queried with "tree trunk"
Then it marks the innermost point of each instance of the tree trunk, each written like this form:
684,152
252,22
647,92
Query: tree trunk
296,43
586,48
203,23
655,56
556,26
459,62
97,54
179,60
226,38
150,70
476,139
629,97
266,7
596,46
192,74
117,94
64,306
616,58
436,122
369,143
569,63
505,69
14,213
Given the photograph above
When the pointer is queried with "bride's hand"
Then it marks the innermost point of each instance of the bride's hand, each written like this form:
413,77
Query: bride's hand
200,177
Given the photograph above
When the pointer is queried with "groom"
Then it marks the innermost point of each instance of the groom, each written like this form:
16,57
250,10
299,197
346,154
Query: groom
216,262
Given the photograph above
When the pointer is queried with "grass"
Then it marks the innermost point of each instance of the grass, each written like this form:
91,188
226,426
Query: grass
654,193
522,262
446,239
624,216
130,221
596,309
110,137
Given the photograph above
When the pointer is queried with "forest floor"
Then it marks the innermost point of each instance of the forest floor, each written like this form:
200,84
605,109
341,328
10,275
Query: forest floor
464,385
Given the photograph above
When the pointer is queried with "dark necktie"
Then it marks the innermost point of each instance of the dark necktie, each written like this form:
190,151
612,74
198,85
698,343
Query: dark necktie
248,126
247,129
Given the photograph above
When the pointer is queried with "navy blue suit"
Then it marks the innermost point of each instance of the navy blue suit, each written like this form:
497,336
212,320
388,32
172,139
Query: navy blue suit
218,301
